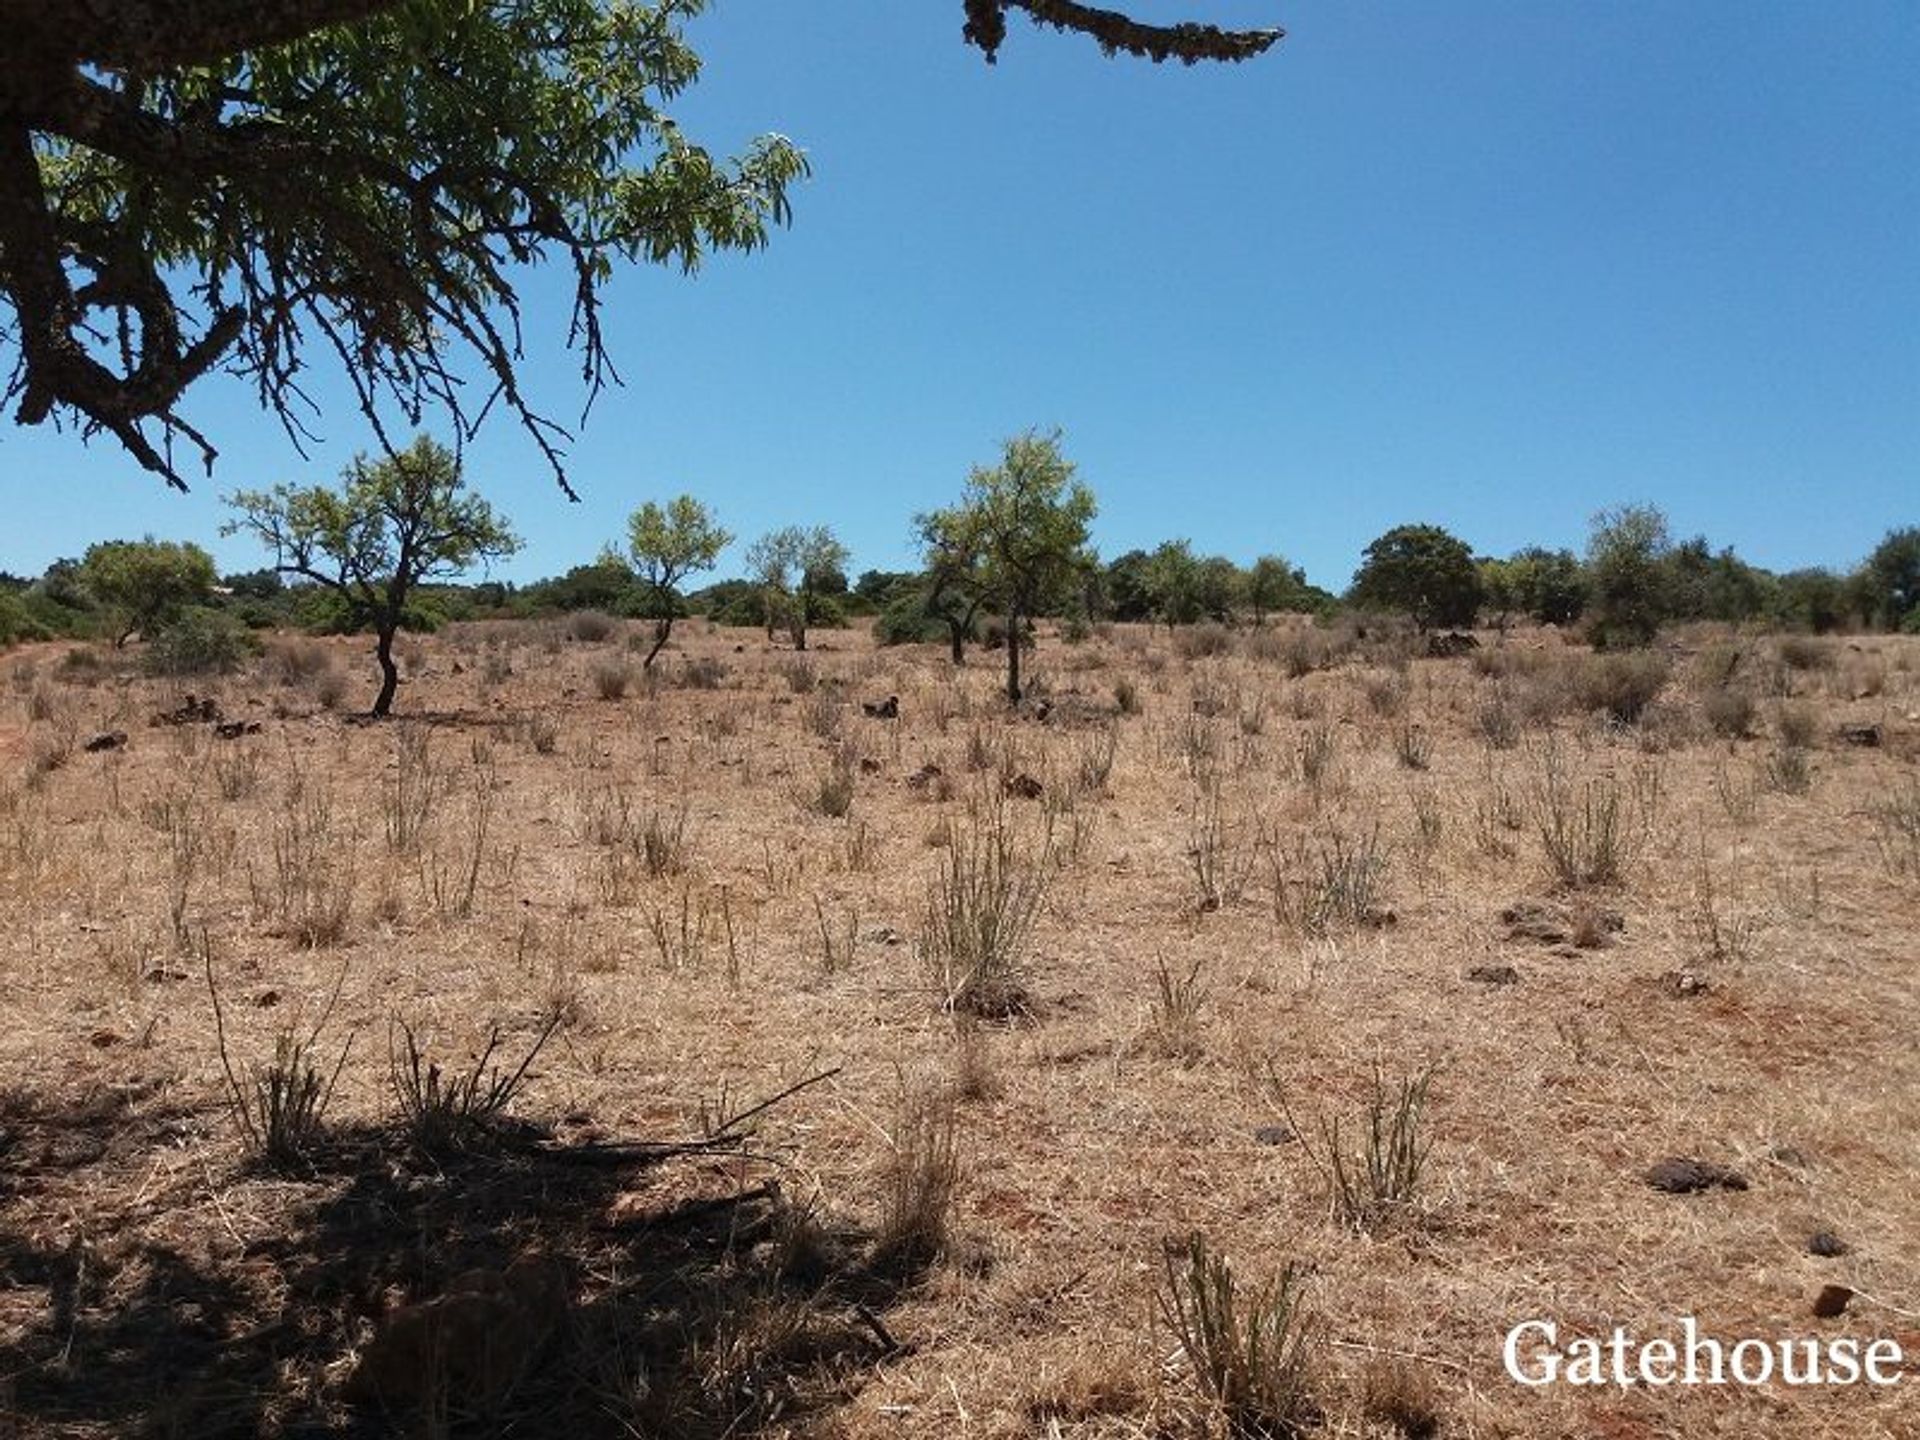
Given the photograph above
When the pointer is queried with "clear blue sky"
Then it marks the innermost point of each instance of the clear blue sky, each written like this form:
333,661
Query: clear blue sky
1488,265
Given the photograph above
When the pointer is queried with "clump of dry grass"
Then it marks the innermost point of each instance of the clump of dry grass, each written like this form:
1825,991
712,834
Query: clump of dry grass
920,1186
611,679
1251,1353
1373,1182
833,790
445,1111
1896,823
1620,684
280,1106
979,915
1175,1018
1586,830
313,867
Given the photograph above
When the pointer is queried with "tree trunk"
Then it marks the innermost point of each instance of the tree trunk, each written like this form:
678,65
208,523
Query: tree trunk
957,637
389,672
1013,654
661,629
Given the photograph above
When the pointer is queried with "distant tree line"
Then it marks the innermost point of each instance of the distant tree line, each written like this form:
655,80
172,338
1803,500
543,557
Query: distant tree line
392,546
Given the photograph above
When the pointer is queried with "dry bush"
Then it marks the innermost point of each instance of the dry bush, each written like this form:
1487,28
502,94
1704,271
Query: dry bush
702,672
1805,652
1220,867
294,662
1788,771
1195,642
412,790
1620,683
1496,719
833,791
611,679
313,867
1252,1354
1413,747
591,627
1402,1397
1174,1021
979,913
1796,724
280,1106
920,1187
451,1109
1126,695
1386,693
1586,830
1896,822
1729,710
1372,1182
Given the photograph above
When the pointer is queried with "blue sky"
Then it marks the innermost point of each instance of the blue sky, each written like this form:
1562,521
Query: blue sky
1492,266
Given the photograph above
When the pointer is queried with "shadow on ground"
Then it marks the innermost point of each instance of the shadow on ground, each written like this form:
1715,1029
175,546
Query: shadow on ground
701,1303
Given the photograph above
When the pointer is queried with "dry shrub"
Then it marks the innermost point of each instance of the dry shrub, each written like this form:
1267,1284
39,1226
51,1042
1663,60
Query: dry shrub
294,662
446,1109
1195,642
1796,724
591,627
1251,1353
611,679
979,915
1373,1182
920,1186
1729,710
1621,683
1402,1397
1805,652
1586,830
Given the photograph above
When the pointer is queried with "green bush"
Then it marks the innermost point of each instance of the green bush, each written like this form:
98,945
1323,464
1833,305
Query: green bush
17,624
201,642
905,621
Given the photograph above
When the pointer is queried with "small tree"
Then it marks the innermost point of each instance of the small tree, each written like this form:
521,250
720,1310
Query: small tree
1423,571
393,524
796,568
1628,575
667,546
1548,585
144,584
1273,584
1017,537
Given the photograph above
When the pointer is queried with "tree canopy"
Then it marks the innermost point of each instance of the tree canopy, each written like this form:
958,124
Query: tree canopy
394,522
669,543
1016,538
189,186
1424,571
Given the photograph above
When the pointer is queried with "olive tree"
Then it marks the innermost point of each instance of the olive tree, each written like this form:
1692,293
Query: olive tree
1017,537
144,584
191,186
1629,596
794,567
667,544
395,522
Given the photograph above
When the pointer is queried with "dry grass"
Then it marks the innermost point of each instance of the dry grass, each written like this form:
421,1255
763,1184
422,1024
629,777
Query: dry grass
1046,978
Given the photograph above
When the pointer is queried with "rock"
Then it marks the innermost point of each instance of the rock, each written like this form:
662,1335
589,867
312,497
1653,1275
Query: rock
191,711
887,709
869,765
1831,1301
924,776
234,729
1494,975
1685,984
1863,735
1274,1135
1677,1175
1827,1245
471,1344
105,740
1024,787
1585,927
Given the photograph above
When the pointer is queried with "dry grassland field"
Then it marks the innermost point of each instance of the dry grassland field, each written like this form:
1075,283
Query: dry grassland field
1390,982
